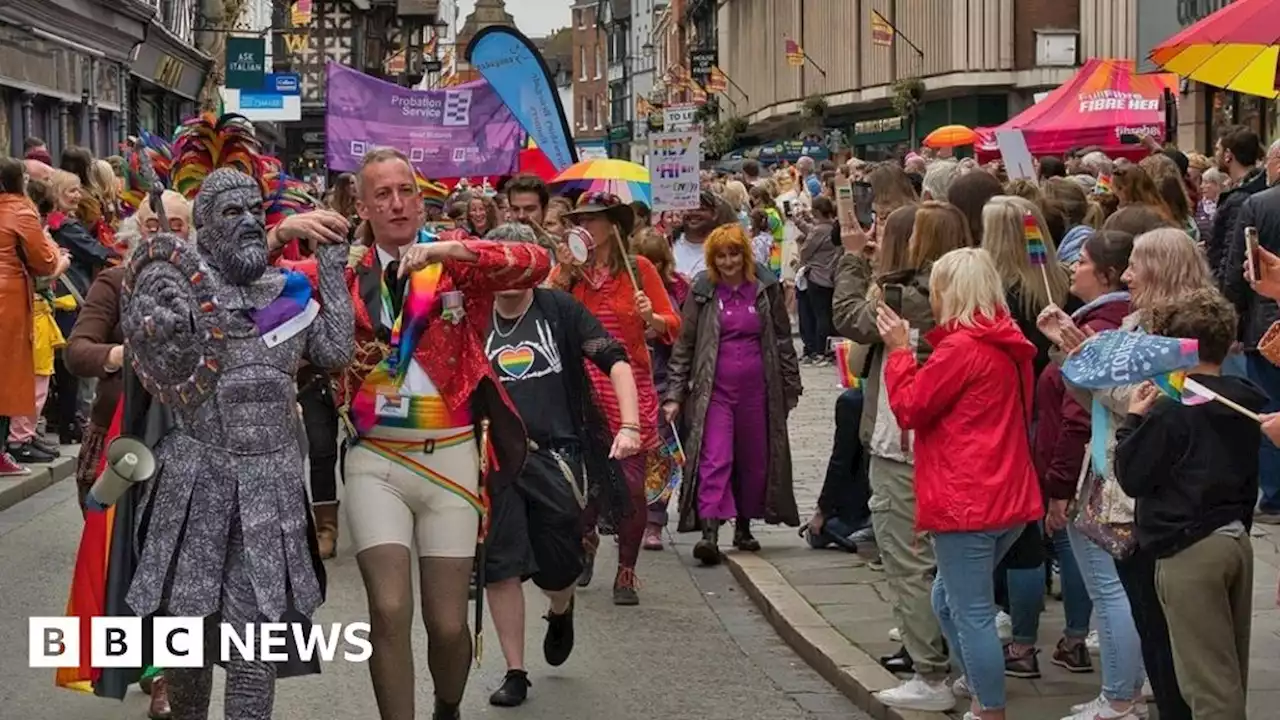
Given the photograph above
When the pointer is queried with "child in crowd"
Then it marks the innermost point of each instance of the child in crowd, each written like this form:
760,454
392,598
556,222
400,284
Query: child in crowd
1192,467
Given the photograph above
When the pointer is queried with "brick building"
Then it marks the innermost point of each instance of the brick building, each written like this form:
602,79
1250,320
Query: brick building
590,81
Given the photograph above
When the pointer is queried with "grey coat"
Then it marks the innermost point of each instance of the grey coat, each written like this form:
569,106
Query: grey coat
691,376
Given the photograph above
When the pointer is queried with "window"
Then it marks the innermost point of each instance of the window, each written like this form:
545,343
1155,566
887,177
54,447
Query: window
578,19
589,114
599,61
601,108
582,63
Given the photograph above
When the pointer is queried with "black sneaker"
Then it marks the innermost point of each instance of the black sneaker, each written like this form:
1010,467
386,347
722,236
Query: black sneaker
557,645
514,690
27,453
46,446
1073,658
1025,666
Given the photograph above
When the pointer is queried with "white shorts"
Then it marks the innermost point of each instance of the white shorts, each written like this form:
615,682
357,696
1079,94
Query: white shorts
388,502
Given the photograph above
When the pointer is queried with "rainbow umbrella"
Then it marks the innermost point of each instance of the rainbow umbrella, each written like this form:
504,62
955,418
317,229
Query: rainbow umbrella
950,136
1236,48
627,180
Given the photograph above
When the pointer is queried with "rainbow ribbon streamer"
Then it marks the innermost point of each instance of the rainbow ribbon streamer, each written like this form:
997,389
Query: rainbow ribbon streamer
1183,389
1035,241
1103,185
849,379
420,298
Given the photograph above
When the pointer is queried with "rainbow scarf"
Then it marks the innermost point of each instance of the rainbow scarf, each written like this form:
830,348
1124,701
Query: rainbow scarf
420,298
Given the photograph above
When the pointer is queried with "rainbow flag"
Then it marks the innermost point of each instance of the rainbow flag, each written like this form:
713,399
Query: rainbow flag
848,376
1183,389
1103,185
1035,241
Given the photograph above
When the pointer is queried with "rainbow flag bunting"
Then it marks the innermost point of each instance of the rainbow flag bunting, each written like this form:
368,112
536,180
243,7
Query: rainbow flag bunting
849,379
1035,241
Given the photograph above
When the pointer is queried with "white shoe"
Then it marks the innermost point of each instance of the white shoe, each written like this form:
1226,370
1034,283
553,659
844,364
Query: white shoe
1099,708
1004,627
960,688
895,634
1147,692
1091,642
919,694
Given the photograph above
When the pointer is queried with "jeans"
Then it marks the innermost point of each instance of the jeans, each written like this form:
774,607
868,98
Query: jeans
1138,575
815,318
1026,596
847,487
1121,650
964,601
1267,376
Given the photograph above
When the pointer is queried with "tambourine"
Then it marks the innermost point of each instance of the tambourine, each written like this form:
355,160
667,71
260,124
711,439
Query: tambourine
580,243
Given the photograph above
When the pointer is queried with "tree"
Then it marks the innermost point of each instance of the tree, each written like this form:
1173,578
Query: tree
722,137
908,96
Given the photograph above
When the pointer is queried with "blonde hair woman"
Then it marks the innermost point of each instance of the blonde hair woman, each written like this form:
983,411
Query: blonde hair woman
970,405
938,229
1164,266
1004,237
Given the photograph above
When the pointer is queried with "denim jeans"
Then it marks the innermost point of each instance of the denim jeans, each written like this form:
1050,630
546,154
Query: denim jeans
1026,596
964,601
1267,376
1121,650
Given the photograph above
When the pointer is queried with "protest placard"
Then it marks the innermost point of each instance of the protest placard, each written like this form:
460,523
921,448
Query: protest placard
674,159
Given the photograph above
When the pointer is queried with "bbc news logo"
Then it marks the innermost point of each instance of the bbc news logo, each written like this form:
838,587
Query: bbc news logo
179,642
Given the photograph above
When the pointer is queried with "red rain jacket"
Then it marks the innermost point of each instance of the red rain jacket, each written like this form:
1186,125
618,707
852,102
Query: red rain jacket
970,407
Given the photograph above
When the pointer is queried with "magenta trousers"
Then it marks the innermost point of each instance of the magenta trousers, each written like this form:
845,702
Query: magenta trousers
735,452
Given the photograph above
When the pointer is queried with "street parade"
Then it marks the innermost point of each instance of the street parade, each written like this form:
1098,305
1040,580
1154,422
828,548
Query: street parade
617,358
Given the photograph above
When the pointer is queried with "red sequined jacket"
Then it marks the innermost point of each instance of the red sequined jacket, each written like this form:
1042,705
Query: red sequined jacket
452,354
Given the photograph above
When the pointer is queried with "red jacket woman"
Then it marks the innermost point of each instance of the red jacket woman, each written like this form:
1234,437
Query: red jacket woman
970,405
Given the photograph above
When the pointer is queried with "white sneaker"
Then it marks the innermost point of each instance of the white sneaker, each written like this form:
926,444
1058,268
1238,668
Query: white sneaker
1091,642
960,688
1147,692
895,634
1004,627
1099,708
919,694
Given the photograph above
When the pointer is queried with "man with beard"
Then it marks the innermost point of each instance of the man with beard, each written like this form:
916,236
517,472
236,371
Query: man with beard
537,343
712,212
1236,153
420,400
217,335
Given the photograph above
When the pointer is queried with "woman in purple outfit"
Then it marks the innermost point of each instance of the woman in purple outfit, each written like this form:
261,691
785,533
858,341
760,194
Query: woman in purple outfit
735,364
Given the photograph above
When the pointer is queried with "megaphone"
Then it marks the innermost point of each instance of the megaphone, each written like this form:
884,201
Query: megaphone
129,461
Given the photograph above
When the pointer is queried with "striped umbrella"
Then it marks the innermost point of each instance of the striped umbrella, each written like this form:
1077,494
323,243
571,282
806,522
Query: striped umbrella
627,180
1236,48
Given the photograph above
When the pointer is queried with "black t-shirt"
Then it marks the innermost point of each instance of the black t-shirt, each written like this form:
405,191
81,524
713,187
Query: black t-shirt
527,361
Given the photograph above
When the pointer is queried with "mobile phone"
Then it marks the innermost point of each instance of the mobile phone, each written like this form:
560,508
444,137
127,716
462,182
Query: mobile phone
863,201
1251,246
844,202
893,298
786,207
1130,139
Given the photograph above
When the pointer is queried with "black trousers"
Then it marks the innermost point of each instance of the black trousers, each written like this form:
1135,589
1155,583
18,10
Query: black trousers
320,416
1138,575
65,389
815,318
847,487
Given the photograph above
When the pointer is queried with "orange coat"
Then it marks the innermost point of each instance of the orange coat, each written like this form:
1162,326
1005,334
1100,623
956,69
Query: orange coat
20,232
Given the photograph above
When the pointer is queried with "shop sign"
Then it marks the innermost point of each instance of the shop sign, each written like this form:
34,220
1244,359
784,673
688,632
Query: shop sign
678,117
701,63
879,125
246,62
168,72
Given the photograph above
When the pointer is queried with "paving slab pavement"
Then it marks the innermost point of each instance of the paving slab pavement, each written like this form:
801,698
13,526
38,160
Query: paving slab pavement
15,489
834,609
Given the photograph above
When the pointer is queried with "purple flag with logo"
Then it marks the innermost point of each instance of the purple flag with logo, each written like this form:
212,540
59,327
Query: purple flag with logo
463,131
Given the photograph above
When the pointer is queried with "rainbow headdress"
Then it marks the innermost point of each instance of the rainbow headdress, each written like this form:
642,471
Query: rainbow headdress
1036,251
148,161
205,143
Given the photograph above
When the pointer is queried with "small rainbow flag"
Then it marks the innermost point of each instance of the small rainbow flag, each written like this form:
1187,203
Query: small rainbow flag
1183,389
1035,241
849,379
1103,185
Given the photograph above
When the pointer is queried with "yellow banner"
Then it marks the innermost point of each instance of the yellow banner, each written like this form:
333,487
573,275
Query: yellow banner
718,82
881,30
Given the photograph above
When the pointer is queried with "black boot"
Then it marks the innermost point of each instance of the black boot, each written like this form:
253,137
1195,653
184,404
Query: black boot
447,711
899,662
742,537
707,550
514,690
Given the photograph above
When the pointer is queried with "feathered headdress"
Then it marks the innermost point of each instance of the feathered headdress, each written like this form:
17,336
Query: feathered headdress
205,143
148,160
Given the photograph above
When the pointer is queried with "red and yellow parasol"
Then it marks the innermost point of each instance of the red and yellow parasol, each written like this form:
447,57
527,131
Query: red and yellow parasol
950,136
1236,48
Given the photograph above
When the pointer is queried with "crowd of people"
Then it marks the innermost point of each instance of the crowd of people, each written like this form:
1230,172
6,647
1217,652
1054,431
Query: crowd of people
537,371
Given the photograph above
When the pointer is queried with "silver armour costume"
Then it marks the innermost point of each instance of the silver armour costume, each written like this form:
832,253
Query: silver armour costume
217,335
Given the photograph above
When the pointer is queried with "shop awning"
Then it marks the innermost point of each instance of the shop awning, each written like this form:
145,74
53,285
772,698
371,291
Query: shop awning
1103,101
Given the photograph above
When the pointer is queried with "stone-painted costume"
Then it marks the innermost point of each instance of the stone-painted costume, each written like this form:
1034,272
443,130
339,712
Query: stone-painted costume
217,334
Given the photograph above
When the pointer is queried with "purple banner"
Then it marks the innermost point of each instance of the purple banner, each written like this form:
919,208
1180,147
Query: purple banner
463,131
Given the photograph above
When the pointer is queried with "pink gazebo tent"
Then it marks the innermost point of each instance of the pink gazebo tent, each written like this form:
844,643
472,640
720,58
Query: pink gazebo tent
1104,100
